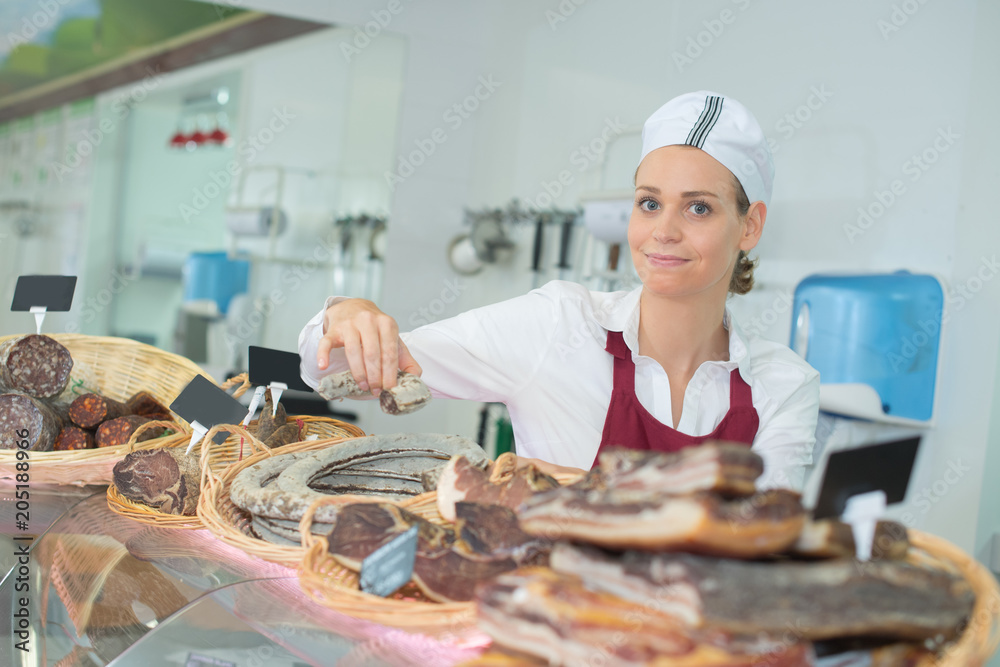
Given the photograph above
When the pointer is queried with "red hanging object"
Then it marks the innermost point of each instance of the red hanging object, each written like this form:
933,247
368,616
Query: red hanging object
218,136
198,137
178,140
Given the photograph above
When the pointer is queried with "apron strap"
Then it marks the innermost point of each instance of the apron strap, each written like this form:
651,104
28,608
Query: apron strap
739,391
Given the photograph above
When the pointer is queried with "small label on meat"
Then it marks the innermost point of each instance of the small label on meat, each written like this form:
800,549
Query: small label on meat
390,566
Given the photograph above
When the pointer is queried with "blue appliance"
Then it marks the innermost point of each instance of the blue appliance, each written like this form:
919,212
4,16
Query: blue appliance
874,340
216,277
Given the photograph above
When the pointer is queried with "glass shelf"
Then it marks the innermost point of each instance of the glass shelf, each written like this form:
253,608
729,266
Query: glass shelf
106,590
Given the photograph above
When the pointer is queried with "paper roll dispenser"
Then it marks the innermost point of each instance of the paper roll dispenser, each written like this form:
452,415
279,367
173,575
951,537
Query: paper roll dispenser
874,340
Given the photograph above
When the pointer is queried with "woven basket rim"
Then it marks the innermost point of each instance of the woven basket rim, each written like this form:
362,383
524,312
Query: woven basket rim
92,466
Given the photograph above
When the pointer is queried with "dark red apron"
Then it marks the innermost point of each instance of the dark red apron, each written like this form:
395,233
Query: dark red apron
630,425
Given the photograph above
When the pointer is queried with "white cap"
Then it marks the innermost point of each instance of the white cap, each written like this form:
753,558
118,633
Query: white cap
723,128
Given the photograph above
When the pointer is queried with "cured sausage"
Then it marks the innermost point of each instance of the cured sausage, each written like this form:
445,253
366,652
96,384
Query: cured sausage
118,431
90,410
23,417
143,403
35,365
73,438
409,394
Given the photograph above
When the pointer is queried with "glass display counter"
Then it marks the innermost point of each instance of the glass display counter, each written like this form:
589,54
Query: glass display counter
105,590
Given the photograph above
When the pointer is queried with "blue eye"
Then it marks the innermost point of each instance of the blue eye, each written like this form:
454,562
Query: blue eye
648,205
700,208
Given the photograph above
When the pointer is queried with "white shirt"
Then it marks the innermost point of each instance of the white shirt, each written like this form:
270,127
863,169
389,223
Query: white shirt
543,355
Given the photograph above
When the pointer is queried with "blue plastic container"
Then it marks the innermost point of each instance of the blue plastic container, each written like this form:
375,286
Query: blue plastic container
883,330
212,275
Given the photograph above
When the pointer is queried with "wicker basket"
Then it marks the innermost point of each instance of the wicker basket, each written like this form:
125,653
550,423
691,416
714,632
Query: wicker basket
232,525
332,585
216,458
120,367
981,637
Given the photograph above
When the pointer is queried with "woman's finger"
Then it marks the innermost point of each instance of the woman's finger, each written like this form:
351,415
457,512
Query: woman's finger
371,350
388,339
355,357
406,361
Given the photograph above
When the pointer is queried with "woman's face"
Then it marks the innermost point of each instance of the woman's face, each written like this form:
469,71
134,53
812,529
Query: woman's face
685,232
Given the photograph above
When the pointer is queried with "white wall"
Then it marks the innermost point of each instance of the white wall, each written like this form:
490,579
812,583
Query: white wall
890,95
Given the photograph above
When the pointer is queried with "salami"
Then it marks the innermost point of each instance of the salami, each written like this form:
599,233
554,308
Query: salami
35,365
72,438
143,403
118,431
90,410
23,417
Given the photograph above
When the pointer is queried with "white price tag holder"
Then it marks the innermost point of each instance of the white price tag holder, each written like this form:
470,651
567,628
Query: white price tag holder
39,313
276,389
258,396
197,433
862,513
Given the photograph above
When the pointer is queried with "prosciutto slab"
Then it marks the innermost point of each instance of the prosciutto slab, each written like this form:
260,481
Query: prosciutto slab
557,618
461,481
821,600
493,531
765,523
727,468
830,538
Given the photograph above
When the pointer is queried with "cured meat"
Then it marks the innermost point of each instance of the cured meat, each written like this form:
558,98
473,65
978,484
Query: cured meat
90,410
362,528
268,422
442,573
819,600
557,618
145,404
409,394
164,479
287,434
830,538
723,467
35,365
118,431
765,523
23,417
460,481
73,437
493,531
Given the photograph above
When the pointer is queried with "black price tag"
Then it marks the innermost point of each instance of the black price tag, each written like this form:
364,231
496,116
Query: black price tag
54,293
267,366
205,403
886,467
390,566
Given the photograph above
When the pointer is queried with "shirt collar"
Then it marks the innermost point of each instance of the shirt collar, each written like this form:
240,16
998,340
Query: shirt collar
619,311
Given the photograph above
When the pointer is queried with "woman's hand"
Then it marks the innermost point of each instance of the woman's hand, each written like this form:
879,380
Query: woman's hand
371,343
548,468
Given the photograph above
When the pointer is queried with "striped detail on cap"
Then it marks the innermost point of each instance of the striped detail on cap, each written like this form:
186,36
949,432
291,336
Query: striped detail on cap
706,121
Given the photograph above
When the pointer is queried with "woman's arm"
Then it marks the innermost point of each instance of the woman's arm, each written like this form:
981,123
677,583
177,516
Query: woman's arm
485,354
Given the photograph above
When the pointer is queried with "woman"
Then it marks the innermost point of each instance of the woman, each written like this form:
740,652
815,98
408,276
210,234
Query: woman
663,366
